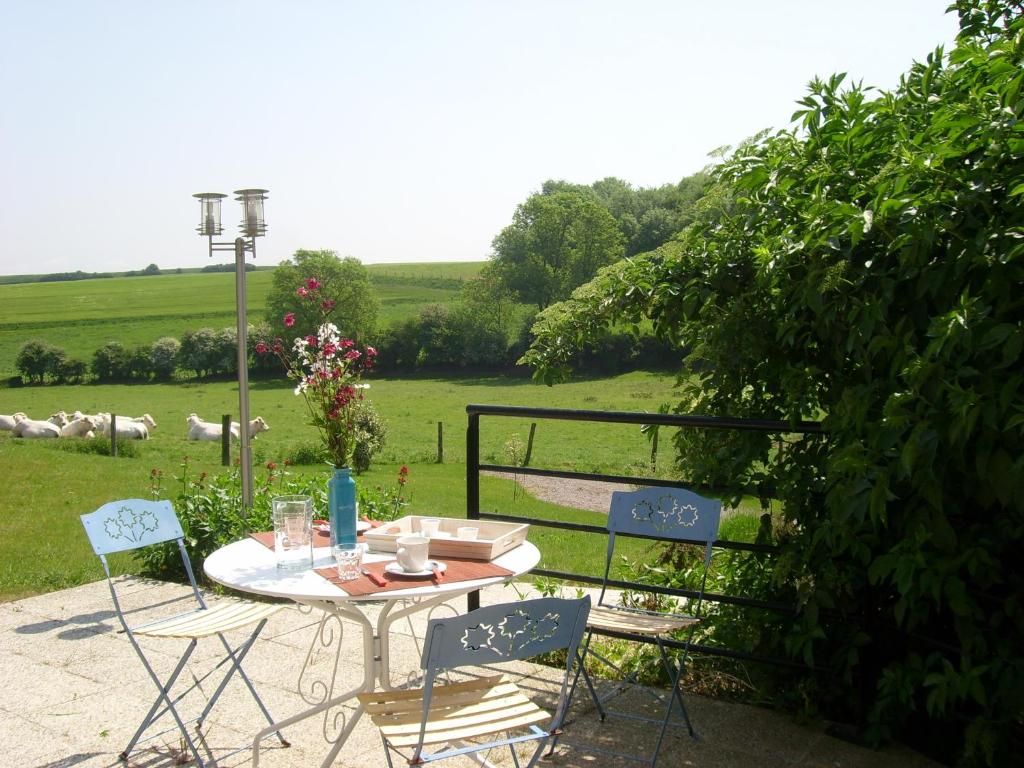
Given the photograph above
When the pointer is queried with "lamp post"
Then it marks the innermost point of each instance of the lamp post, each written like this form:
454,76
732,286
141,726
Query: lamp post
253,225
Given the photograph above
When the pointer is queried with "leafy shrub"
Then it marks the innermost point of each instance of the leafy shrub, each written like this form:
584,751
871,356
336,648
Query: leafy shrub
371,435
307,453
869,268
38,359
111,362
163,357
71,371
198,351
140,364
210,510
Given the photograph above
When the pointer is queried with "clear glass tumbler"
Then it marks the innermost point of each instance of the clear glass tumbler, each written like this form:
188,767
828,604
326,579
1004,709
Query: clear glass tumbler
293,531
349,562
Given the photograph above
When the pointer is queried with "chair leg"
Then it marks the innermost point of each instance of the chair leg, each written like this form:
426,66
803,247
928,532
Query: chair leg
675,673
163,697
236,656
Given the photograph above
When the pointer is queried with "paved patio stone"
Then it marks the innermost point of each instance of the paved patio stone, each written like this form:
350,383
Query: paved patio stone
74,692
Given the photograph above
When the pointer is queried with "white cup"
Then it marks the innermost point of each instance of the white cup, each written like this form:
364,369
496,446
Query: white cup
429,526
412,553
467,532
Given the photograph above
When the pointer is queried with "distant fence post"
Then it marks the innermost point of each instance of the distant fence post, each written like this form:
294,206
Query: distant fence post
225,440
440,442
113,434
654,451
529,444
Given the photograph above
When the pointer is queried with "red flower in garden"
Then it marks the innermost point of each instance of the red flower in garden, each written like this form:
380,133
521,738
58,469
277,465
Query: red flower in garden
289,320
328,304
261,348
311,340
403,475
330,349
353,354
313,284
371,352
346,343
271,466
302,292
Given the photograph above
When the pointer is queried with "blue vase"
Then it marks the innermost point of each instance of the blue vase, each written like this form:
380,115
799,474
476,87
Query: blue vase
341,504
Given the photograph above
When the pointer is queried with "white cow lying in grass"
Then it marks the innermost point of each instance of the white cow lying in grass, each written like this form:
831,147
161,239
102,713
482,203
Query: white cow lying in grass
60,418
81,427
31,429
7,422
209,430
145,420
128,429
256,426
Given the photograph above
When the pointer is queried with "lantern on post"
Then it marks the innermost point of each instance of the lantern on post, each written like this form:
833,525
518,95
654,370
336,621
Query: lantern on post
253,226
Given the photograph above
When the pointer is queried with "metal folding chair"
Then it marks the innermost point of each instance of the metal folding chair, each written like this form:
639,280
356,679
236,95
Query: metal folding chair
444,717
129,524
667,513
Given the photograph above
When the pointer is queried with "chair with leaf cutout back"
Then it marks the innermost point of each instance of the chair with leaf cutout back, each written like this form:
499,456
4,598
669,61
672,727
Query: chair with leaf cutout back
672,514
443,717
121,526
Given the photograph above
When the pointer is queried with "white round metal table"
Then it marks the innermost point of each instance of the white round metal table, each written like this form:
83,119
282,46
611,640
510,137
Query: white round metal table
249,566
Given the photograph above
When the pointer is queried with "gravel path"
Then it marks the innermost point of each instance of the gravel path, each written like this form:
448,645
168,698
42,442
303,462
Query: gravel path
579,494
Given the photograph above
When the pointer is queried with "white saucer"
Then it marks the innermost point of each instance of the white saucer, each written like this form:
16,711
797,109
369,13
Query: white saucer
361,525
396,570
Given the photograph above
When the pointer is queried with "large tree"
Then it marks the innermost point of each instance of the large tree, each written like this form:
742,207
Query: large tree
556,242
343,282
867,268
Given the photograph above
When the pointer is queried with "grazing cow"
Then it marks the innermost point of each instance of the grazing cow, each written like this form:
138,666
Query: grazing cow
31,429
81,427
7,422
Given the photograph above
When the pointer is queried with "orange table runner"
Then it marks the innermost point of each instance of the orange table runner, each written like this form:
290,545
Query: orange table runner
458,569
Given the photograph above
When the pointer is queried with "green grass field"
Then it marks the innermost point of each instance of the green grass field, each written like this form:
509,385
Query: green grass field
47,487
82,315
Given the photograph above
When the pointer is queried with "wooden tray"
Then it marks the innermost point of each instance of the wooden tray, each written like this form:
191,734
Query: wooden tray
493,538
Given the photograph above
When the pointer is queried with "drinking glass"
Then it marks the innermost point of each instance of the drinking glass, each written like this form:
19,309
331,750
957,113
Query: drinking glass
348,561
293,532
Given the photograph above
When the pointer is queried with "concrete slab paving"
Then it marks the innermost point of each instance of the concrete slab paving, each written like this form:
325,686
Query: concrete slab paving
74,693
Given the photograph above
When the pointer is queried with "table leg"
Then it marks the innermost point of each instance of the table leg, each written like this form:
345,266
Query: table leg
370,673
386,619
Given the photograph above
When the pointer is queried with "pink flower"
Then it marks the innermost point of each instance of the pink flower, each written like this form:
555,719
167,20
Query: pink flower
353,354
328,304
302,292
329,349
336,373
261,348
313,284
371,352
289,320
346,343
311,340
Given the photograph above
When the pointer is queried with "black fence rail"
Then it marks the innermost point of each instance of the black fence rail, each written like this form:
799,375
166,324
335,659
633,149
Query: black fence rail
474,467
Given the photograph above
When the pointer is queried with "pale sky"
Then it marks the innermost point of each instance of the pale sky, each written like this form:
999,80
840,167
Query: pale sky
389,131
